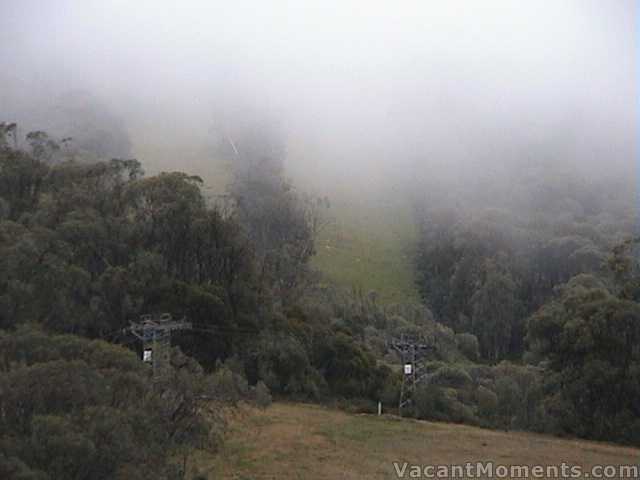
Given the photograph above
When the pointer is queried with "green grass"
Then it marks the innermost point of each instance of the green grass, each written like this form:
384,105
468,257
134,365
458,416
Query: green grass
368,245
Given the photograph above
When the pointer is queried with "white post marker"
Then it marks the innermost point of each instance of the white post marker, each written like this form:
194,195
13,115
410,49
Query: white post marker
379,408
147,355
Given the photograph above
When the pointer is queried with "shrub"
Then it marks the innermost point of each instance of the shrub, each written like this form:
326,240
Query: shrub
487,402
436,403
430,403
482,373
263,396
390,392
228,386
451,376
468,344
509,401
97,416
433,366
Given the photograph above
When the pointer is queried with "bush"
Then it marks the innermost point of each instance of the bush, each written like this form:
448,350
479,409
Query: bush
228,386
263,396
390,393
468,344
487,403
482,373
509,401
433,366
436,403
12,467
451,376
97,416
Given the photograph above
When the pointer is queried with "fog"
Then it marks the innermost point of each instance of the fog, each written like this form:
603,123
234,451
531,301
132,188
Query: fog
364,94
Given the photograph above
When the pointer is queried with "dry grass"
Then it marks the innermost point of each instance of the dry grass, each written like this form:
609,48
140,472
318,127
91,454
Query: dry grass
293,441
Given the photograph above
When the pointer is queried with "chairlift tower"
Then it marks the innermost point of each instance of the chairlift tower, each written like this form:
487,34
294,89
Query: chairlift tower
413,352
155,333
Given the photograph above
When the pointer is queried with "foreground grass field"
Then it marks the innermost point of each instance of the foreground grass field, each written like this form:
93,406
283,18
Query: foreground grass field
294,441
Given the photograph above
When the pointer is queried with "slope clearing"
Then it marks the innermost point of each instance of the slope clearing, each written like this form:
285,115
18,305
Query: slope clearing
367,244
368,236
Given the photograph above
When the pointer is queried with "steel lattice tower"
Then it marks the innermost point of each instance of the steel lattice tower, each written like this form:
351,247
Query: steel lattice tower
155,334
413,352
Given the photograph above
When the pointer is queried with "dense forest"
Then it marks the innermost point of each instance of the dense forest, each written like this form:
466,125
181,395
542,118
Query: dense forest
533,310
86,247
547,281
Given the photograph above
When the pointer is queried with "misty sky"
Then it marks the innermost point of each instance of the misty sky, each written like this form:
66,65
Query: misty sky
450,86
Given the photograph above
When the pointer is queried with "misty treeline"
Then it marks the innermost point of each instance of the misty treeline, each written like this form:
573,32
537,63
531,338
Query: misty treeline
543,275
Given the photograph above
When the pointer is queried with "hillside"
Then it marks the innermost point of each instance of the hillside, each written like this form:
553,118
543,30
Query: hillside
311,442
231,232
365,242
367,245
